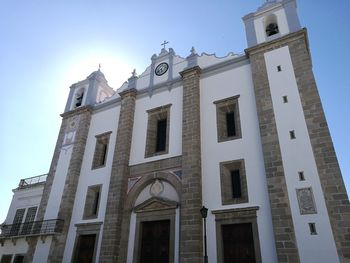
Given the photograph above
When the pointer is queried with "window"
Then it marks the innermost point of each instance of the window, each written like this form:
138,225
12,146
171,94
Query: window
233,182
92,202
227,119
79,95
157,139
301,176
285,99
18,259
279,68
312,227
101,149
29,220
16,224
292,134
6,259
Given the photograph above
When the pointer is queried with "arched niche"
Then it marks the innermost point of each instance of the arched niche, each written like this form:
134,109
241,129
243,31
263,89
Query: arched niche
78,97
271,25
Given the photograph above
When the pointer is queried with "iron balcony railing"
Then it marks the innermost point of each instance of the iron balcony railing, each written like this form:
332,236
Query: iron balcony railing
34,228
27,182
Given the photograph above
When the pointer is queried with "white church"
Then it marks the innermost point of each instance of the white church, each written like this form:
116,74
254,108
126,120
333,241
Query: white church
198,159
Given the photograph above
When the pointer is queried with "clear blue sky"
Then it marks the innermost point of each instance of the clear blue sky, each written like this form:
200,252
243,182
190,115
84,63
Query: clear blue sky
48,45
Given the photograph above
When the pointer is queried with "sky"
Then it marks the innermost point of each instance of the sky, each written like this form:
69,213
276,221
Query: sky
46,46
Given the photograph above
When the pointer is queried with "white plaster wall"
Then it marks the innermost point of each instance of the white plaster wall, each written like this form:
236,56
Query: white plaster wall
259,23
42,250
54,201
144,103
297,155
24,198
10,248
236,81
101,122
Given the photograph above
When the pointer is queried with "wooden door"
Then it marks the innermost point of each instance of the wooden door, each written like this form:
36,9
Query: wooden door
85,249
238,243
155,242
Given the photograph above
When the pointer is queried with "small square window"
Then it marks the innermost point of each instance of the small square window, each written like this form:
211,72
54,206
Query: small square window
301,176
157,141
233,182
292,134
227,119
92,202
279,68
101,150
312,227
285,99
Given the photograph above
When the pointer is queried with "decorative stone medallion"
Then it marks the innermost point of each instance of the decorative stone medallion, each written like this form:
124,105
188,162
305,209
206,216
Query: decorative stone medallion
306,201
71,129
156,188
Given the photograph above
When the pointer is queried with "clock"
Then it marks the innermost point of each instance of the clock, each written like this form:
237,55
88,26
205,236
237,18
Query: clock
161,69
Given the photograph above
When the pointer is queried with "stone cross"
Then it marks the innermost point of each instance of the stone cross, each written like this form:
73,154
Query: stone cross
164,43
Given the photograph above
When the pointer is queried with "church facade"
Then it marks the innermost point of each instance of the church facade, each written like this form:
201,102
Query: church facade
199,158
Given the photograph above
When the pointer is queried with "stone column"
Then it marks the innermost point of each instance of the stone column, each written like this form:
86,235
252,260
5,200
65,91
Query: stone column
191,231
333,187
285,240
111,237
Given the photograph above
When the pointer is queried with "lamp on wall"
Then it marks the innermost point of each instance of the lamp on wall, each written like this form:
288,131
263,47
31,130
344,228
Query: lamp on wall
204,213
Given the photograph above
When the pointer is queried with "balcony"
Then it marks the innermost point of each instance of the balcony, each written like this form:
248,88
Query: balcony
31,181
34,228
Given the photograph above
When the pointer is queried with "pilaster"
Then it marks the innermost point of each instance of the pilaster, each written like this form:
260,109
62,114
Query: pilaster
285,240
83,118
112,227
191,231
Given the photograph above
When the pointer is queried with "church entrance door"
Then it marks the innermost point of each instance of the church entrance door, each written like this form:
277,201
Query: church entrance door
155,242
238,243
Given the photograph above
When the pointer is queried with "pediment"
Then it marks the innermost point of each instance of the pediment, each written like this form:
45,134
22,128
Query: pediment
154,204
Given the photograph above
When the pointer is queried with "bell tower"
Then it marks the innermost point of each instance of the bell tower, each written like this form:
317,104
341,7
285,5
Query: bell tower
272,20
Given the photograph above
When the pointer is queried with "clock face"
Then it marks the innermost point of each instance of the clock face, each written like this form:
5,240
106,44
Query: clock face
161,69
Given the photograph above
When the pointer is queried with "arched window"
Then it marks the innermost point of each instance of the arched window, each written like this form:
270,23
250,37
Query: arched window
271,26
79,95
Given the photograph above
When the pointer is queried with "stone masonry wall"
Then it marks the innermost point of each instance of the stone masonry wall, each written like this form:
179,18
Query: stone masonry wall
191,231
333,187
32,241
111,237
285,240
71,183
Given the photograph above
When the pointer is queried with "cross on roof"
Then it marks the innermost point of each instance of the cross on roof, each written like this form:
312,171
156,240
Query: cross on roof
164,43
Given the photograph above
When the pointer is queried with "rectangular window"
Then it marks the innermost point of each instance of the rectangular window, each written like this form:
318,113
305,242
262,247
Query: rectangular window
227,119
236,184
85,248
161,135
279,68
6,259
285,99
29,220
17,221
157,138
312,227
292,135
230,123
101,149
92,202
233,182
18,259
301,176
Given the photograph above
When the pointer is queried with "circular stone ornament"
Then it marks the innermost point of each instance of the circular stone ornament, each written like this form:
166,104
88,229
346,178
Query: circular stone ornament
161,69
157,188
